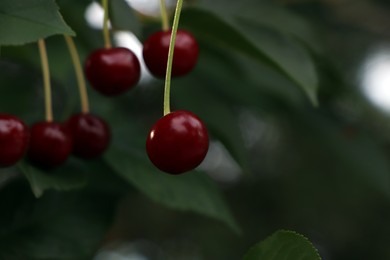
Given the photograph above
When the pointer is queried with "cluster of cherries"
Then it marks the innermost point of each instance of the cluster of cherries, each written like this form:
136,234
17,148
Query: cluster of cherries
177,143
49,144
113,71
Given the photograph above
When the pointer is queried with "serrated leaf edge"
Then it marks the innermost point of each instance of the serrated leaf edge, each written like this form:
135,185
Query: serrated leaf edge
284,231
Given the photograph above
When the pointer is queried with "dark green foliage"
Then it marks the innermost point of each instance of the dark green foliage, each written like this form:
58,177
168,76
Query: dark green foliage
276,85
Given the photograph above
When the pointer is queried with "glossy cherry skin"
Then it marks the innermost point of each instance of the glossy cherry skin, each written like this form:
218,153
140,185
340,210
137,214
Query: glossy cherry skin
50,144
14,136
185,57
91,135
178,142
112,71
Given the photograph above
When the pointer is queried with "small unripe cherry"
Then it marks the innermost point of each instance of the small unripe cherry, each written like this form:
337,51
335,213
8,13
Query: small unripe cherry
178,142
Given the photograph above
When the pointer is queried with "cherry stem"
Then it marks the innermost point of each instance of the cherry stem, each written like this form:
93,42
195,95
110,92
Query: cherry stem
106,31
79,73
164,16
167,89
46,80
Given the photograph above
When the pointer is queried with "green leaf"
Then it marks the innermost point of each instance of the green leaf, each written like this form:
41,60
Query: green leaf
277,50
70,176
60,225
360,155
25,21
286,245
219,116
269,14
192,191
123,17
292,59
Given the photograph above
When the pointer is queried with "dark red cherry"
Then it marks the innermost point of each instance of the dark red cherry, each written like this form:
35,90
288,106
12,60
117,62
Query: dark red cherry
14,137
50,144
178,142
112,71
91,135
155,53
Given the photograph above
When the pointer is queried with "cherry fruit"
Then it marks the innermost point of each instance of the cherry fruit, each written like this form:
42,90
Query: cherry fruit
178,142
112,71
91,135
14,137
155,53
50,144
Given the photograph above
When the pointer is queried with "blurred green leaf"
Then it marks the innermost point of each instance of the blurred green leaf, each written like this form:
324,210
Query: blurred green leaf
291,57
17,96
277,50
269,14
192,191
123,17
25,21
57,226
350,149
69,176
219,115
286,245
22,95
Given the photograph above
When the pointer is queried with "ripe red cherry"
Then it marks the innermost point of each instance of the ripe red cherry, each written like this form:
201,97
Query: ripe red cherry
14,137
91,135
112,71
178,142
50,144
155,53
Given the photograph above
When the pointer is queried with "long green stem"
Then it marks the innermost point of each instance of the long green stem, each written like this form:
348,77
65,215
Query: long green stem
46,80
79,74
167,89
106,31
164,16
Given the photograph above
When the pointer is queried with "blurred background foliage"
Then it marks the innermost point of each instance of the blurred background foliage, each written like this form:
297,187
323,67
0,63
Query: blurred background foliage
293,93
